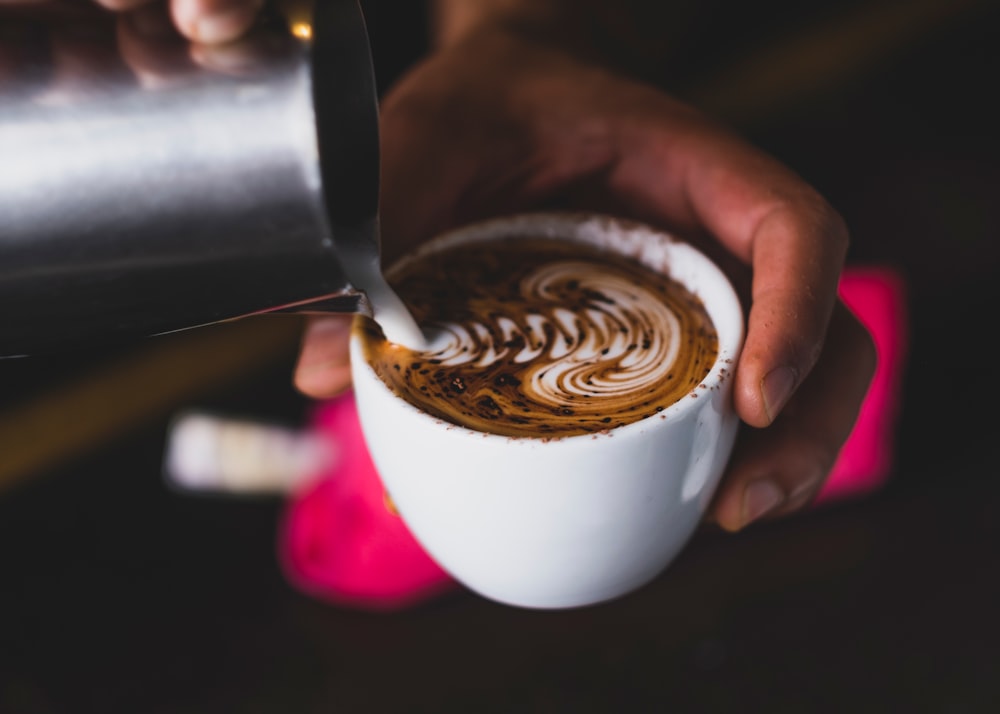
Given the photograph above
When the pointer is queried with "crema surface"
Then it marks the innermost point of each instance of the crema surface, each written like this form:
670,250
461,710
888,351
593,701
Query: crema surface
543,338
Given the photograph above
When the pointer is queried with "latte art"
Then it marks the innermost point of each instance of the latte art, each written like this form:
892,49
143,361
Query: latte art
544,338
569,354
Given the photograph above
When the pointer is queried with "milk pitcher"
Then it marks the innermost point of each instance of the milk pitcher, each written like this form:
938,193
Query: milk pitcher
148,186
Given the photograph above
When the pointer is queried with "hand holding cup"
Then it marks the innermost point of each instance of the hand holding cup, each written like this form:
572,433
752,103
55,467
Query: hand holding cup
562,441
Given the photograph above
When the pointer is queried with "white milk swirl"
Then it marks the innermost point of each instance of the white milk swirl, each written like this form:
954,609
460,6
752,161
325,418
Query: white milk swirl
544,338
561,367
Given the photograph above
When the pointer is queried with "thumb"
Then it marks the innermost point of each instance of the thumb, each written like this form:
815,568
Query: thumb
323,369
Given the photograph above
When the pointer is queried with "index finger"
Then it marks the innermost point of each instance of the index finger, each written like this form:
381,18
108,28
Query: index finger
214,21
774,222
208,21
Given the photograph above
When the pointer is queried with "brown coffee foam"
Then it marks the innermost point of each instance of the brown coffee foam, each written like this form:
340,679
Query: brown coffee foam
508,298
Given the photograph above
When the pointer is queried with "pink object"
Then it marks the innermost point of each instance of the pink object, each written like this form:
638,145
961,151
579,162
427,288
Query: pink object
877,296
341,542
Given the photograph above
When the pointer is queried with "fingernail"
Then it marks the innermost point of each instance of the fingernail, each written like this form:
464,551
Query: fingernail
776,388
759,499
225,25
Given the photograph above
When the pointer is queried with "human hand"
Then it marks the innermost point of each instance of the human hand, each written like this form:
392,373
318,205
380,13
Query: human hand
202,21
498,123
157,41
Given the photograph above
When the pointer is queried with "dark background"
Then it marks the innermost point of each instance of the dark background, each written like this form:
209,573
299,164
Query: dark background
120,595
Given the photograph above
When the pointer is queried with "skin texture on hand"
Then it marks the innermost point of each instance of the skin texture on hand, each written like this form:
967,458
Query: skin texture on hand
203,21
497,123
153,40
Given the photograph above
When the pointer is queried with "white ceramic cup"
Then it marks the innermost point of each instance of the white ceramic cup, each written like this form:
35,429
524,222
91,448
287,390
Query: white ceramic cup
573,521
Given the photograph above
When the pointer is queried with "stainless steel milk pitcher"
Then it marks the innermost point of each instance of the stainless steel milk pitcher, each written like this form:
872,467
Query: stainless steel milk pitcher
153,192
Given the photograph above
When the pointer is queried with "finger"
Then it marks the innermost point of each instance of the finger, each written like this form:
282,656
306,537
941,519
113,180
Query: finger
780,469
152,47
260,49
700,176
323,369
798,254
214,21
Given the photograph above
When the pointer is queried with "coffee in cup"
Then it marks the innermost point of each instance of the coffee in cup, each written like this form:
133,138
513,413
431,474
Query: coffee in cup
543,337
559,438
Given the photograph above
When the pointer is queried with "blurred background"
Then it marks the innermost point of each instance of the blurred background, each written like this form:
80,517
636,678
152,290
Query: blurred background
119,593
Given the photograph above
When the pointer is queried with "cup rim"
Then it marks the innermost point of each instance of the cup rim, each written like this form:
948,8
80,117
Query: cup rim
588,227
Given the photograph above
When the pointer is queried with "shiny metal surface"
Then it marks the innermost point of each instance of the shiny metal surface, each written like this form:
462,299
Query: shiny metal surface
159,190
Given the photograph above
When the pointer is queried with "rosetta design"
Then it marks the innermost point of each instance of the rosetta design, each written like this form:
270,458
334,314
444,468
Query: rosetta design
545,338
572,355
